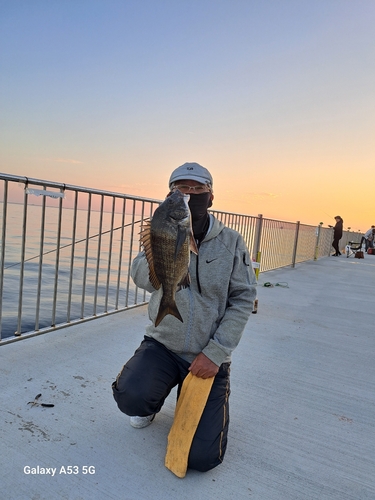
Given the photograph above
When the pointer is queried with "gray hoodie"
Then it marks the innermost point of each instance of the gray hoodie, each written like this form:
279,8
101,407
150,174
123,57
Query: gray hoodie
217,304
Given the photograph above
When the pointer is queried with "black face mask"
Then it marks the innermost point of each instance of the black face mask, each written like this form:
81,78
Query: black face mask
199,204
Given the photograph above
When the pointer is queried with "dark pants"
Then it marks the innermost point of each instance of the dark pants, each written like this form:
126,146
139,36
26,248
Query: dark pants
335,245
368,243
149,376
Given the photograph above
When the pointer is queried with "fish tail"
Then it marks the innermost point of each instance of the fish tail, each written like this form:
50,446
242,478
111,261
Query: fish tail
167,307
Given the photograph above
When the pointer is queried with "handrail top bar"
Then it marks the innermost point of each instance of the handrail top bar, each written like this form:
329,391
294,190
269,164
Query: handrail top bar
289,222
71,187
264,218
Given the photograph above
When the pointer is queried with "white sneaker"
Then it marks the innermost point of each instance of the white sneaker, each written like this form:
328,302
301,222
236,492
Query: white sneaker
140,422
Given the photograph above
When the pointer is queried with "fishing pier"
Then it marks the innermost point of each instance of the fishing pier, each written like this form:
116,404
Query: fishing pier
302,380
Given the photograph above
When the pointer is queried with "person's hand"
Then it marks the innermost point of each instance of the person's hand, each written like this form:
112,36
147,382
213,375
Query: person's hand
203,367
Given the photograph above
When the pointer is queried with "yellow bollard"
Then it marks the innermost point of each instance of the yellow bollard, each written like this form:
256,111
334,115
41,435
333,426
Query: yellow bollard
257,268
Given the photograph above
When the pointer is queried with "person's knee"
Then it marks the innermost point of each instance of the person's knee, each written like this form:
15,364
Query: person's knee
131,400
205,456
120,398
204,462
131,405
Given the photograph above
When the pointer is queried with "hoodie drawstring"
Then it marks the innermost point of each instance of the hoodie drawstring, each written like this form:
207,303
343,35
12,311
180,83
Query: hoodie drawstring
197,270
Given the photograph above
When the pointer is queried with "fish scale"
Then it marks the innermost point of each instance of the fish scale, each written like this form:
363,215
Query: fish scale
167,240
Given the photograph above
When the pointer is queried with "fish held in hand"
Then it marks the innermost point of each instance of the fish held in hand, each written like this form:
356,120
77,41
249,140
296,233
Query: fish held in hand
167,241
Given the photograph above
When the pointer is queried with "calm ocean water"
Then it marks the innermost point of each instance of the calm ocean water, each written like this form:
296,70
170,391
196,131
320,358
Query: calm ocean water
110,288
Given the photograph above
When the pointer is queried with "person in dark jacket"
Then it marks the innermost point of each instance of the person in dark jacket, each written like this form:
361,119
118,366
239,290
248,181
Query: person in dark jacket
337,235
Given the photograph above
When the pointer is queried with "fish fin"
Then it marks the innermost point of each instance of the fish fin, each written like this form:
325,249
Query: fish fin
185,282
180,240
193,245
146,243
165,309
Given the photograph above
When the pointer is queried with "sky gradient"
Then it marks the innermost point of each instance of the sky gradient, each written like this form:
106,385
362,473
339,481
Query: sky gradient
275,98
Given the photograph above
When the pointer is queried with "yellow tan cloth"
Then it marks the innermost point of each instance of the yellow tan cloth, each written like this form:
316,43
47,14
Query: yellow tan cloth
189,409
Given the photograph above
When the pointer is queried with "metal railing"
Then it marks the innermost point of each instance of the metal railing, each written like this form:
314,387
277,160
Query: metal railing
66,252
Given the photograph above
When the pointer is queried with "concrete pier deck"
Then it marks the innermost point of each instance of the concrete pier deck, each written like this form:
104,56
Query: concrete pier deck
302,402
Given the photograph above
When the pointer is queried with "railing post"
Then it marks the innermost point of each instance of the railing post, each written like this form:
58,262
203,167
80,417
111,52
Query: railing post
295,244
257,239
2,258
22,263
318,229
258,235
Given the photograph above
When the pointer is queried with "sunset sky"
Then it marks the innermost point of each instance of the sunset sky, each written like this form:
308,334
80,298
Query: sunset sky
275,98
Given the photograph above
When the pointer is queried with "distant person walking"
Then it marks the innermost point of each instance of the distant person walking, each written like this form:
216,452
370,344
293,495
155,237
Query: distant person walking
337,235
